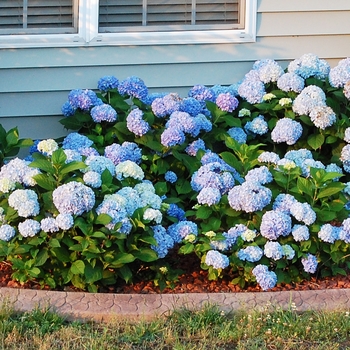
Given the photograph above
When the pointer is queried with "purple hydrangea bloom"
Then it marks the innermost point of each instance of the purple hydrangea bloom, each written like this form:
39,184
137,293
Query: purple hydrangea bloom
172,137
310,263
136,124
103,112
202,93
275,224
265,278
194,147
216,259
134,87
107,83
126,151
250,253
226,102
300,233
290,82
166,105
286,130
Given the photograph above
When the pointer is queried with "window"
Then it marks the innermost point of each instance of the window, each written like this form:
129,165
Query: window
49,23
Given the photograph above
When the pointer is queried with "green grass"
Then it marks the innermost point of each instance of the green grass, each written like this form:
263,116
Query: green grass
208,328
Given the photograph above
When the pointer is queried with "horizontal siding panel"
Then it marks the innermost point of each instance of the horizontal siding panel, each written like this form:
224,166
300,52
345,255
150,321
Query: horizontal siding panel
302,5
279,48
303,23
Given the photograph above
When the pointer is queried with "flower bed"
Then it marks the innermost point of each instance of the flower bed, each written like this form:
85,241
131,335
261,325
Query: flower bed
253,178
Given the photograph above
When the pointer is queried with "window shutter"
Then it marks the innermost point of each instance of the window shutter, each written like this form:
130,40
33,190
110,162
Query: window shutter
153,15
38,16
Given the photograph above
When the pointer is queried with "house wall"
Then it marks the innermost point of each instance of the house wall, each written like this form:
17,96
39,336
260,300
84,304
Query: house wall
34,83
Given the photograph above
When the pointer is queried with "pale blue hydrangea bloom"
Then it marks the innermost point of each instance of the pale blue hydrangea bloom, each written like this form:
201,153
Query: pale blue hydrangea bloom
144,186
233,233
345,154
344,232
170,176
269,157
76,141
73,198
126,151
307,164
83,99
47,147
309,65
49,225
257,126
249,197
127,169
268,70
216,259
347,135
286,130
274,224
164,241
300,233
151,214
252,90
309,263
180,230
65,221
99,164
288,252
340,74
92,179
328,233
250,253
7,232
346,90
194,147
107,82
237,134
29,228
283,202
136,124
202,93
103,112
298,156
25,202
72,156
290,82
151,199
265,278
209,195
165,105
134,87
226,102
303,212
273,250
312,96
172,137
261,175
128,198
334,168
322,117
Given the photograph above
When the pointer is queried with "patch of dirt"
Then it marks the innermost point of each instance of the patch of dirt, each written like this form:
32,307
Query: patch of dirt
193,280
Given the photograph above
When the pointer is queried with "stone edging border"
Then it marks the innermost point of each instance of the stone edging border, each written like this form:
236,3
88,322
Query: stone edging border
103,307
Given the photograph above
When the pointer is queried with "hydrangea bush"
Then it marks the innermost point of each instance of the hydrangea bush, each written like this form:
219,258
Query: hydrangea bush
252,178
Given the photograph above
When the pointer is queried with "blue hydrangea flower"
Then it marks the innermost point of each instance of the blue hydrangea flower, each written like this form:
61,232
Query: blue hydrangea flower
237,134
209,195
194,147
25,202
103,112
344,232
309,65
250,253
334,168
29,228
216,259
170,176
92,179
126,151
268,70
152,96
7,232
288,252
73,198
322,117
164,241
265,278
273,250
180,230
49,225
65,221
257,126
269,157
300,233
107,82
252,90
328,233
275,224
202,93
286,130
312,96
166,105
136,124
175,211
283,202
191,106
67,109
172,137
226,102
290,82
72,156
261,175
99,164
309,263
249,197
340,74
76,141
303,212
83,99
233,233
134,87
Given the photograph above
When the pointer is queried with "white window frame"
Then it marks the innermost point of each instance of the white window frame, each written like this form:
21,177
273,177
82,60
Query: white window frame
88,34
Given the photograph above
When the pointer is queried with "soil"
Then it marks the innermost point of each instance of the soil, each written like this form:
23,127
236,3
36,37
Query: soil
192,280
